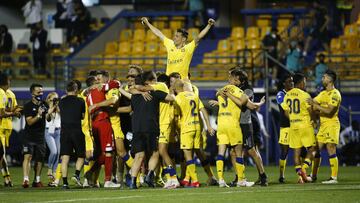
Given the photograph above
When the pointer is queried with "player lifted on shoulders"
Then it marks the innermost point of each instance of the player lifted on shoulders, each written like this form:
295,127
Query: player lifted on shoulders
179,53
327,104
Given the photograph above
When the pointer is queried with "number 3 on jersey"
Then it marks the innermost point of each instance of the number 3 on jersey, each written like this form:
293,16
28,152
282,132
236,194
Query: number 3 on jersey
193,108
294,105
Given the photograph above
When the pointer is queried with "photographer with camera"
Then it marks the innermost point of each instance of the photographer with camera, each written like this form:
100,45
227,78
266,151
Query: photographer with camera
34,146
52,135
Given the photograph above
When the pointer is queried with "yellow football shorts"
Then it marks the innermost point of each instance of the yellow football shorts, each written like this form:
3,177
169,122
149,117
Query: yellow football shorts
284,136
229,136
190,140
5,136
166,134
118,134
303,137
329,134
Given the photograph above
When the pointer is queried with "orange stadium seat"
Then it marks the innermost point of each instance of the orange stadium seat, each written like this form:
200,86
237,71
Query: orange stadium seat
294,31
110,59
238,44
160,22
224,58
223,45
167,32
151,50
263,22
252,33
177,22
193,32
123,59
138,48
207,59
351,30
22,48
124,48
125,35
237,33
254,44
335,44
96,59
264,31
111,48
284,22
150,36
139,35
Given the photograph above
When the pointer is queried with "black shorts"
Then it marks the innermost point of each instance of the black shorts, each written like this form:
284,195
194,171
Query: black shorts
248,139
144,142
36,149
72,139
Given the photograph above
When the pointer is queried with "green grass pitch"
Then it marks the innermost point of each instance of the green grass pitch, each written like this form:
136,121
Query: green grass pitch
346,191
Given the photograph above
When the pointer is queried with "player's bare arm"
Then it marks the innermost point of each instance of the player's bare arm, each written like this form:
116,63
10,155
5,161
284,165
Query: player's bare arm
238,101
328,111
125,93
213,103
252,105
203,32
205,114
104,103
157,32
124,109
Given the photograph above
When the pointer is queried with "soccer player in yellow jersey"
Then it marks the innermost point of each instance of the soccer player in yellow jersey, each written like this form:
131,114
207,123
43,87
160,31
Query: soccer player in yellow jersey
301,125
179,53
8,109
230,99
327,103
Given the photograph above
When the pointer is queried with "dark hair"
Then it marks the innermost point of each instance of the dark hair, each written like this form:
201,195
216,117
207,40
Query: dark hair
137,68
4,78
78,83
72,86
164,78
175,75
90,81
139,80
33,86
4,27
148,76
183,32
331,74
104,73
298,77
280,84
94,73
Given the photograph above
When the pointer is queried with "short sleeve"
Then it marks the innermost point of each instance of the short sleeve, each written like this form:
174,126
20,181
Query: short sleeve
237,92
28,110
168,42
335,99
191,47
280,97
201,105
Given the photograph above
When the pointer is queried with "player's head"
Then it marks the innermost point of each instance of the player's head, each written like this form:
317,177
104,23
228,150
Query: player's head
149,77
93,73
138,80
164,78
179,85
173,77
329,78
135,70
234,77
103,76
36,91
78,83
72,87
243,78
180,37
321,58
90,81
4,81
52,98
287,82
299,81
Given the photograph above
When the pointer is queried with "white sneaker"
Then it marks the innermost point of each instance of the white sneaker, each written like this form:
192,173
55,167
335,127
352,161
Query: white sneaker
332,180
222,183
110,184
244,183
175,183
86,183
168,184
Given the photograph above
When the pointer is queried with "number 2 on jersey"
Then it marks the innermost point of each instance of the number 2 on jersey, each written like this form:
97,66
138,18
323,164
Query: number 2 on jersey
193,108
294,105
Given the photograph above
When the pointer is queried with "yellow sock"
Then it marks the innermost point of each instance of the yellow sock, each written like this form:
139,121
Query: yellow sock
315,166
192,171
58,172
187,173
220,169
130,162
282,166
306,164
334,165
240,168
88,165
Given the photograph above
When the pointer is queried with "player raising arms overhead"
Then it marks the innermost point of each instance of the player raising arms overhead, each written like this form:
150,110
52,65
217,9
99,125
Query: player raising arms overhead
179,54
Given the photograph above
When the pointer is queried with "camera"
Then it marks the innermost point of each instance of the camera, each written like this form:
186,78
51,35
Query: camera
55,101
44,107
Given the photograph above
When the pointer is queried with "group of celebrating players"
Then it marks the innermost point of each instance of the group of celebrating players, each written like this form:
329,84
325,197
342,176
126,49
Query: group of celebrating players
162,112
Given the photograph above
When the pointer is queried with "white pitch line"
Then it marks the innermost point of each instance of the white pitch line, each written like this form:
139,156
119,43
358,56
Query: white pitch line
356,187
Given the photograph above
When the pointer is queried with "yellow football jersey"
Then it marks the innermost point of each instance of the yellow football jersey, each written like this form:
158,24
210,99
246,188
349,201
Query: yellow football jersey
196,90
229,112
166,108
295,103
85,122
188,109
326,98
178,60
3,100
114,117
10,104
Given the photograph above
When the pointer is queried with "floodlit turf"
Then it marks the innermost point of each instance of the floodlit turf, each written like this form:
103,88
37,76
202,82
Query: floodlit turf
348,190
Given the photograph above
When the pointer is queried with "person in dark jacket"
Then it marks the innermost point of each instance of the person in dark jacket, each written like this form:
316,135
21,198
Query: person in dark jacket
38,38
6,40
